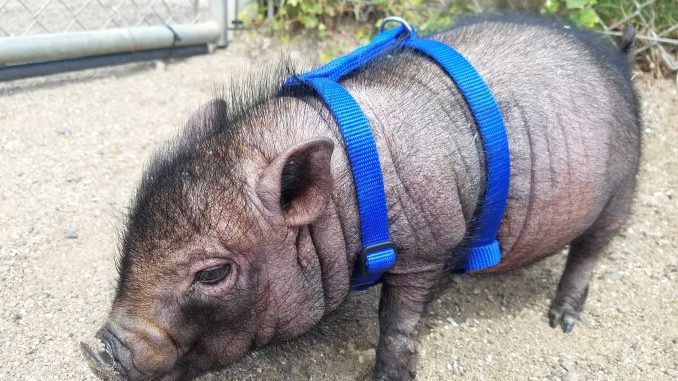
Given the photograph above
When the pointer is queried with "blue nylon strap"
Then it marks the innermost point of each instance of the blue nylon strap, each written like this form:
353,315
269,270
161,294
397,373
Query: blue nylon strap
339,67
485,251
379,253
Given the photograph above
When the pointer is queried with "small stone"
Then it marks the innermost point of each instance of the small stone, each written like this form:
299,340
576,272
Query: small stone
72,234
285,366
366,356
617,275
672,372
452,322
567,364
63,130
259,370
159,66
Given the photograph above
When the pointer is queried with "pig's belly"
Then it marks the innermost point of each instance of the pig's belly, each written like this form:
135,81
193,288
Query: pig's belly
556,193
539,230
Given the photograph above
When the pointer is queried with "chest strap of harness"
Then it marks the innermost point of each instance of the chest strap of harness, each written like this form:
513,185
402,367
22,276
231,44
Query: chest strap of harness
379,253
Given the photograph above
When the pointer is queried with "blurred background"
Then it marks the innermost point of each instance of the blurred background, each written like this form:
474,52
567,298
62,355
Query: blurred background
47,30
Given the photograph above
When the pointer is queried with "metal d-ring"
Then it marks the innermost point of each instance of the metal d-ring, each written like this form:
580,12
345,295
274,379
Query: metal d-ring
399,20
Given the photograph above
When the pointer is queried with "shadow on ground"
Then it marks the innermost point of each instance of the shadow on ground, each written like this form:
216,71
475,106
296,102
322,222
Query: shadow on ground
342,346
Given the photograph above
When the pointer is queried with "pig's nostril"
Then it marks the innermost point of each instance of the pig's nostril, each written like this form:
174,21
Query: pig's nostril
109,341
151,353
114,348
102,358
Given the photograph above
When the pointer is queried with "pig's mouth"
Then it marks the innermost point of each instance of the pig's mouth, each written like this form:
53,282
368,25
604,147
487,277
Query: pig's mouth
102,363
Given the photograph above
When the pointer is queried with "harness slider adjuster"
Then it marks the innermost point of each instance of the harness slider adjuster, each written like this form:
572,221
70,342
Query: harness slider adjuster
375,259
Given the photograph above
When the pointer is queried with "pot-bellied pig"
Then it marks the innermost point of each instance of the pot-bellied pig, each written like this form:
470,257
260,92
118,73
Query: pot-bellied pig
246,231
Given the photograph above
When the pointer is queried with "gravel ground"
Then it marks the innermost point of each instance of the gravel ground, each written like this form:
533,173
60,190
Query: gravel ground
72,148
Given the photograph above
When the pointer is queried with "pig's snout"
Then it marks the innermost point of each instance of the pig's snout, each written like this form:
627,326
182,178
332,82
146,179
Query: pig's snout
136,353
119,357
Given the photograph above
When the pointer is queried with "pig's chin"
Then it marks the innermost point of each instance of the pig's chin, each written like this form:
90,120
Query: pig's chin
173,375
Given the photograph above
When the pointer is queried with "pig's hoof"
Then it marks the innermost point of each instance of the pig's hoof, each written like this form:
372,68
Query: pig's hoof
563,314
395,376
396,373
398,362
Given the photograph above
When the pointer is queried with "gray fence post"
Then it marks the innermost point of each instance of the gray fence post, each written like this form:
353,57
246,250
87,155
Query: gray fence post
220,13
56,46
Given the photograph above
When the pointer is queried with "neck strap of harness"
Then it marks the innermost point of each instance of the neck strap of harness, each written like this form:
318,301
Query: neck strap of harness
379,253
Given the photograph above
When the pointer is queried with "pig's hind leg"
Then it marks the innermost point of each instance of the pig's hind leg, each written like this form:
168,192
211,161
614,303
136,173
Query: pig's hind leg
582,258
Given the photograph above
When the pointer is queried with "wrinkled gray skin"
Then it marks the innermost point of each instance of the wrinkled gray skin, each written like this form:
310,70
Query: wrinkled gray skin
267,202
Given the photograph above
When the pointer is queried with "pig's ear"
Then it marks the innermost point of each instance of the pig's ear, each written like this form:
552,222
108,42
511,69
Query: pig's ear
204,119
298,183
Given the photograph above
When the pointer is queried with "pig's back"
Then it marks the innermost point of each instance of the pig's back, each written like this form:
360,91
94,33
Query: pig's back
572,123
570,115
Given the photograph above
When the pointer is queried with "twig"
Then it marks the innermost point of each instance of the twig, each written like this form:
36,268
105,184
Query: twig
630,15
661,34
669,41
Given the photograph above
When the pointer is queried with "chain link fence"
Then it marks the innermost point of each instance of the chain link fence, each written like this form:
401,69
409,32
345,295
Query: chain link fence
39,37
25,17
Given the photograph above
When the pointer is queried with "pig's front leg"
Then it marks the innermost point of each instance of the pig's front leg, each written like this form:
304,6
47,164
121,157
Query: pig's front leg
403,298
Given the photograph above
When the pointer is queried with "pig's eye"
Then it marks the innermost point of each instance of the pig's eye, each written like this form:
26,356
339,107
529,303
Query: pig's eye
213,275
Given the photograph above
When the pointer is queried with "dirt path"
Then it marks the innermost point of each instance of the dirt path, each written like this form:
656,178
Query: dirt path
72,149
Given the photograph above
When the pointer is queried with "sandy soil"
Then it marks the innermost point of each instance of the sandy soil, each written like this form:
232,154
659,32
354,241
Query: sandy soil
72,148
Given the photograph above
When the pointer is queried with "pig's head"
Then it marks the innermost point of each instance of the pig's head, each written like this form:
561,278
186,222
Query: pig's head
210,257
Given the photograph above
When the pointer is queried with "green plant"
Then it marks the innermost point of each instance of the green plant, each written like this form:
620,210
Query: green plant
659,15
319,16
580,12
654,16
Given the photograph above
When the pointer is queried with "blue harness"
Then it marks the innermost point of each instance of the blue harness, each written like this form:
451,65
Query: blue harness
379,253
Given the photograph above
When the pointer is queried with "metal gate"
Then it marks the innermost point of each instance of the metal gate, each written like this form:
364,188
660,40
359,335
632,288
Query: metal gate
40,37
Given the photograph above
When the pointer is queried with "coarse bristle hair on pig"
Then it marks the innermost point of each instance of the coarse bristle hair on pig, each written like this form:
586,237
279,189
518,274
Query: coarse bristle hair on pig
179,171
